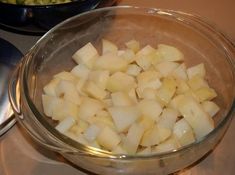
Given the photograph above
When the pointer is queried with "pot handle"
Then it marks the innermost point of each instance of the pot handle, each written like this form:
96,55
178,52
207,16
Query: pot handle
13,91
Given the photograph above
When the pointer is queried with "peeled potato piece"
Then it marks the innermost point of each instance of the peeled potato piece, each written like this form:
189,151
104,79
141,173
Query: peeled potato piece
133,138
65,124
197,118
108,138
124,116
120,81
133,45
170,53
198,70
86,55
108,46
183,132
110,61
210,107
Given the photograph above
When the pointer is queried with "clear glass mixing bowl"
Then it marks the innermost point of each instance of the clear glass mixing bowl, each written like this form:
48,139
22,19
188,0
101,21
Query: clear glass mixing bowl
199,41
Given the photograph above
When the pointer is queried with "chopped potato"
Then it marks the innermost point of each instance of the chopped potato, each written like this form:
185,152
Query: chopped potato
131,100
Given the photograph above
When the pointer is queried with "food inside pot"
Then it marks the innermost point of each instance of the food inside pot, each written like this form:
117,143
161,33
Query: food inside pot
35,2
132,100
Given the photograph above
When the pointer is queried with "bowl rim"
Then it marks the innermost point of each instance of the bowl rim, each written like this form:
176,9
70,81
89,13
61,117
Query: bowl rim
75,147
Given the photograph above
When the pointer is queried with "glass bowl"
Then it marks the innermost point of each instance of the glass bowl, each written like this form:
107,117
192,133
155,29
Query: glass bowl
199,41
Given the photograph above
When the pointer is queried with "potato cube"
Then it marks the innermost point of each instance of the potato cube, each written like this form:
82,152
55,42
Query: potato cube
168,118
110,62
58,108
210,107
100,78
146,89
147,79
64,109
49,103
170,53
205,93
183,132
145,61
157,59
92,132
132,95
108,138
133,70
170,144
194,114
198,69
147,76
65,124
89,107
128,55
79,86
86,55
80,127
151,137
81,71
167,90
133,138
175,102
180,72
108,46
148,93
150,108
49,89
192,93
166,67
182,86
133,45
94,91
124,116
66,76
164,133
67,90
197,82
146,122
121,99
119,81
102,121
145,56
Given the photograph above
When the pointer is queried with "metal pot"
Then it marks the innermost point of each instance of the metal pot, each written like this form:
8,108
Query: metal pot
44,16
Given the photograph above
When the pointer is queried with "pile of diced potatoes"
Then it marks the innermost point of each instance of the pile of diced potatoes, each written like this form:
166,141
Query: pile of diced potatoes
135,100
